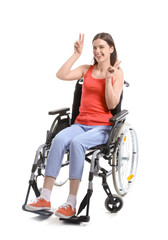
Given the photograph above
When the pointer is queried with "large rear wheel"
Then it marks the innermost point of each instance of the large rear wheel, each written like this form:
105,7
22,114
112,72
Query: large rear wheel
125,159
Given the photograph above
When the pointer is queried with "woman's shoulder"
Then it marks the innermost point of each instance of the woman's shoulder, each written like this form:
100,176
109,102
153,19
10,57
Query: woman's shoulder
86,68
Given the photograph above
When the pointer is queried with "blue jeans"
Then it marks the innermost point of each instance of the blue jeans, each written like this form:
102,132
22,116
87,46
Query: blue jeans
77,138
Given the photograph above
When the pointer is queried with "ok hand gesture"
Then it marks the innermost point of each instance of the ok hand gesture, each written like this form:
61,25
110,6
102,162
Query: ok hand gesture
78,46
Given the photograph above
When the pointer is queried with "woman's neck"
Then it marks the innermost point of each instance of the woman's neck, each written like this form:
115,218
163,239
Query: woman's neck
102,67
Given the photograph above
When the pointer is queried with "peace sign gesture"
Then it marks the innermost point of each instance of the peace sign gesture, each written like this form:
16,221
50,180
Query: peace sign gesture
112,70
78,46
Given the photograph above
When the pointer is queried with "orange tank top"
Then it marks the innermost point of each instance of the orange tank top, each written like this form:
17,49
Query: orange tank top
93,109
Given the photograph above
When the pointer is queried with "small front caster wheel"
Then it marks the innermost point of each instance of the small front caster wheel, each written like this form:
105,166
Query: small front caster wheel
116,206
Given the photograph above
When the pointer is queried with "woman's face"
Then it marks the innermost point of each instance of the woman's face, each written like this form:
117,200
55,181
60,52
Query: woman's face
101,50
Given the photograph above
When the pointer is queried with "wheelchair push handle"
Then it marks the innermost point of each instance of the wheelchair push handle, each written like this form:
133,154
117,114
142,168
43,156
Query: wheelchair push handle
126,83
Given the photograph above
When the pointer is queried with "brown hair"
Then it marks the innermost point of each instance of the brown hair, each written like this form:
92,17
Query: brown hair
108,38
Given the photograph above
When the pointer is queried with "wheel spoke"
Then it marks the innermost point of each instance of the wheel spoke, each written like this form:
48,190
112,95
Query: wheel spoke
125,157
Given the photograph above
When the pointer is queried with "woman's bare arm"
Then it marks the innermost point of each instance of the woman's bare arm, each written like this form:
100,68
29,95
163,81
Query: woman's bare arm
113,92
65,72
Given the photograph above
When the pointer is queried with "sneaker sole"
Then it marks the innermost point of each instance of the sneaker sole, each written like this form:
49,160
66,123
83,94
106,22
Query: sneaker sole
63,216
31,208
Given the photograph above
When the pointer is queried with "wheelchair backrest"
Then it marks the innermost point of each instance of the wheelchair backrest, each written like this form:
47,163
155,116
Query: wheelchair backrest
77,99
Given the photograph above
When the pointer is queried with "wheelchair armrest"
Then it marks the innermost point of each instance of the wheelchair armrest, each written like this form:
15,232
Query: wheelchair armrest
119,116
61,111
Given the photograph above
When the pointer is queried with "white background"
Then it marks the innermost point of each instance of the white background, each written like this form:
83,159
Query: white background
36,39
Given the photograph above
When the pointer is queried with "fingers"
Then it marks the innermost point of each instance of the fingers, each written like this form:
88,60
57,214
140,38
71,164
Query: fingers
111,69
76,44
116,65
81,38
80,41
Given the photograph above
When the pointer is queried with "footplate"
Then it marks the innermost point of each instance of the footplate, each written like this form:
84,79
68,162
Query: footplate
76,219
45,213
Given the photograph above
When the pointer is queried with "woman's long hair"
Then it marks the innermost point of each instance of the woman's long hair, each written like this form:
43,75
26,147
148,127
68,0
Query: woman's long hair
108,38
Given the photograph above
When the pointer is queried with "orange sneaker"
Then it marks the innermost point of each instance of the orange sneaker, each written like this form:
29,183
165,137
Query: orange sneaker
39,204
65,211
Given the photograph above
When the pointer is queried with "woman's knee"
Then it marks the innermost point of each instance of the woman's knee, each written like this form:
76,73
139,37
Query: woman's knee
76,144
59,141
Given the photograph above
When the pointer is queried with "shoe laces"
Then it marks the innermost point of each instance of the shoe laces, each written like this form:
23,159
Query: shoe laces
36,199
66,206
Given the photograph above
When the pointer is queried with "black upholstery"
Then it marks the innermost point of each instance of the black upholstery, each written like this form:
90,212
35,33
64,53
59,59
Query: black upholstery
76,100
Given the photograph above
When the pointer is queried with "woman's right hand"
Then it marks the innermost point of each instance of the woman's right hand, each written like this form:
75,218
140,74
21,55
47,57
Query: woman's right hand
78,46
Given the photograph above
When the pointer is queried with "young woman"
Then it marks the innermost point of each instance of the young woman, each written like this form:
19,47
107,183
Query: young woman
102,87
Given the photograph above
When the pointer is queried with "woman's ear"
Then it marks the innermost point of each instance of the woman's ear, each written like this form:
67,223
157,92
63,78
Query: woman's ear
111,49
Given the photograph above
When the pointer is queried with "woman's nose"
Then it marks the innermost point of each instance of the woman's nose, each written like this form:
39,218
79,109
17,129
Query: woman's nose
97,50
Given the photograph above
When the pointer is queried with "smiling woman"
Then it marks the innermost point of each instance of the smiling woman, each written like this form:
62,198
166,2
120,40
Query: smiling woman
108,42
102,87
101,52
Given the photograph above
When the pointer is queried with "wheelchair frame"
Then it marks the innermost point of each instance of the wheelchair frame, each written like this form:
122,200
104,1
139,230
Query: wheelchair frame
113,203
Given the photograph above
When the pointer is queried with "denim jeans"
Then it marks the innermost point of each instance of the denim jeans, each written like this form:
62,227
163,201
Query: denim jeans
77,138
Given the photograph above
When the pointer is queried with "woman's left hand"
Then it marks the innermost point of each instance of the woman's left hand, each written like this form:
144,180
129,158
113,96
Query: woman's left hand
112,70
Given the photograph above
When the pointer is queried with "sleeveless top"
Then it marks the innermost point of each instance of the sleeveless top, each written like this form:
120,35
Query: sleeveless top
93,109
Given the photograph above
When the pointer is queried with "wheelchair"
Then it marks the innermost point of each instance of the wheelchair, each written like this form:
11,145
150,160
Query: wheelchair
120,152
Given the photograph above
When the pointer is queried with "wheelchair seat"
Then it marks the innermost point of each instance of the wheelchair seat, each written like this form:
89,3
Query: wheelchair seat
120,151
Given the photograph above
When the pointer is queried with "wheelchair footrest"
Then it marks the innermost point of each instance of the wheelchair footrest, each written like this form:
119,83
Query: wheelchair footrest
76,219
45,213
